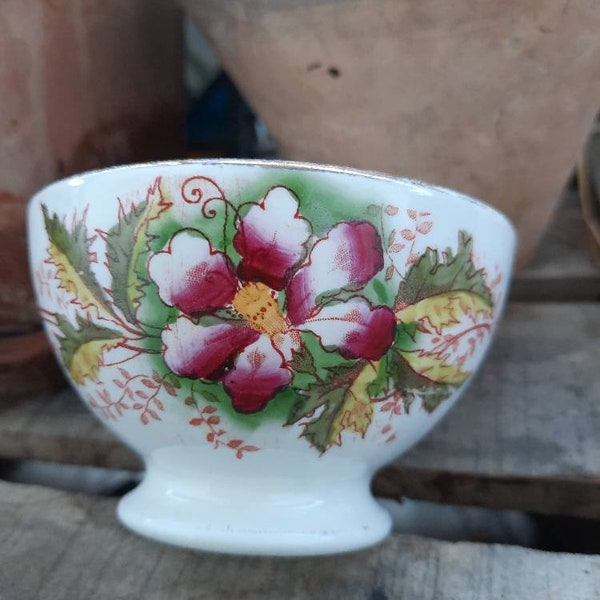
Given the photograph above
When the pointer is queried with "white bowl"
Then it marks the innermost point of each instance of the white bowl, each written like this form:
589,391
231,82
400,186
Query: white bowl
265,335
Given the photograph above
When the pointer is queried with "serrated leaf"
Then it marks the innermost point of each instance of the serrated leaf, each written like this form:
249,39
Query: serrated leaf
321,393
435,273
356,412
70,252
401,374
444,310
310,400
82,347
410,384
127,243
332,395
121,259
434,396
326,363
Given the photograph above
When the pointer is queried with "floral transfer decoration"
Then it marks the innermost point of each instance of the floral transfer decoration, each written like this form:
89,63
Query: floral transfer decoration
263,308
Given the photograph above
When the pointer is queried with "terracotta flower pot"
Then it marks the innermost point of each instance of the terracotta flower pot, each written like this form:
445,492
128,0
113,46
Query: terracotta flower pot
82,85
492,98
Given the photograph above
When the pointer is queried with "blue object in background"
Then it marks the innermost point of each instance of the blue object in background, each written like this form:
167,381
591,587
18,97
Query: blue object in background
220,122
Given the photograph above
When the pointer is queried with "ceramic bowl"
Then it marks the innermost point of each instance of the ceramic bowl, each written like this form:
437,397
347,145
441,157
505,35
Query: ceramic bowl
265,335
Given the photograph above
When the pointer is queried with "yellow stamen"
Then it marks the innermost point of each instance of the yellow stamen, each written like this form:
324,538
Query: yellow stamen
255,303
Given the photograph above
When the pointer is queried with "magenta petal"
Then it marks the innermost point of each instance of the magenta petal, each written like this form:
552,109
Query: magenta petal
376,336
271,239
191,275
200,351
257,375
346,258
354,328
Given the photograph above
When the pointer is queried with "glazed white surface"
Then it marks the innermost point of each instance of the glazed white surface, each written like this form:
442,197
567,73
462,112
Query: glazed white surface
285,498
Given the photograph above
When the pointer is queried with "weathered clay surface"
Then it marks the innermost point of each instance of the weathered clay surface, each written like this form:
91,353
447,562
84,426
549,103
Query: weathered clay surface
83,84
491,98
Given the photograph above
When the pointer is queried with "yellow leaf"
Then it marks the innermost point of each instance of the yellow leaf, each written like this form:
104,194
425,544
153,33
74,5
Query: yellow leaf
444,310
356,412
72,282
434,367
86,359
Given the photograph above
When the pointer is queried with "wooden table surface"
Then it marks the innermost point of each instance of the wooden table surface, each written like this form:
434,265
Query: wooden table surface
61,546
524,436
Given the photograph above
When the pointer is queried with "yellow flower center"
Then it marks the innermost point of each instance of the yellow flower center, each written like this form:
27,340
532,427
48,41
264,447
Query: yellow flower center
256,304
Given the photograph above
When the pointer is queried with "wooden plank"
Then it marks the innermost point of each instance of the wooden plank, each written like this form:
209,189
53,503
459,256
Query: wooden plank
63,546
58,428
563,268
523,437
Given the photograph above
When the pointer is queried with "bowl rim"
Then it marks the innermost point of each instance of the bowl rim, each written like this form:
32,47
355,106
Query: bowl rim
78,179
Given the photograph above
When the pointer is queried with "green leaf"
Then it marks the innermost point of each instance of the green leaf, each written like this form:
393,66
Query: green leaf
303,361
319,432
406,336
121,259
210,391
433,397
308,402
380,291
209,396
436,273
319,393
380,384
409,383
325,361
303,367
401,374
70,251
126,245
332,394
81,347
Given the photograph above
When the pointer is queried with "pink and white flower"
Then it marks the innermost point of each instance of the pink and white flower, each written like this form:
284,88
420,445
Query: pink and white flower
278,290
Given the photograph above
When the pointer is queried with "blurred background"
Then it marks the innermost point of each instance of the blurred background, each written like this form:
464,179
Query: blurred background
497,100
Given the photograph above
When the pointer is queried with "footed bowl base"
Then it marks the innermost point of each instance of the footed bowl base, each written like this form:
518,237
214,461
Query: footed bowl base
255,506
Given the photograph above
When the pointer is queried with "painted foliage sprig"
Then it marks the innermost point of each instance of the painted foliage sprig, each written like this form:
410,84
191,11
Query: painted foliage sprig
441,312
